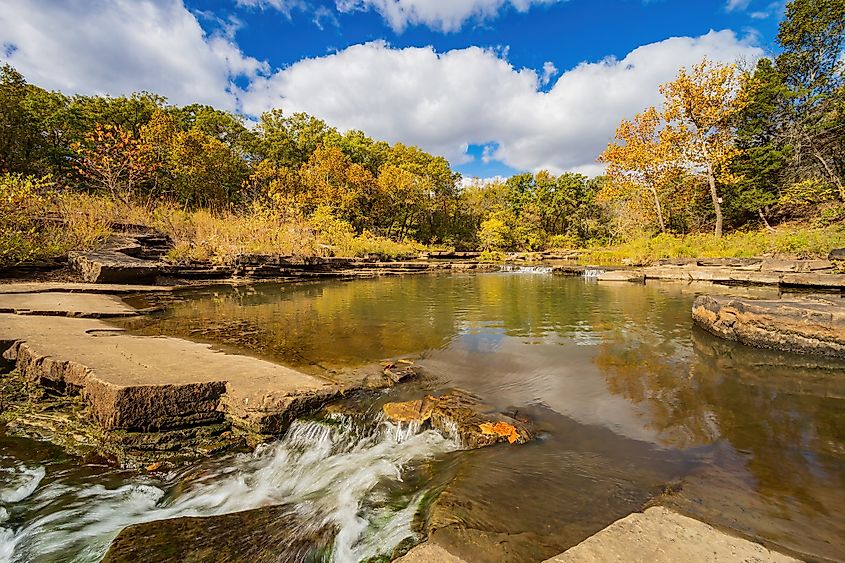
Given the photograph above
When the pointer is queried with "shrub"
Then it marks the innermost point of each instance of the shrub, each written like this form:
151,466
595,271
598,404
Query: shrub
23,205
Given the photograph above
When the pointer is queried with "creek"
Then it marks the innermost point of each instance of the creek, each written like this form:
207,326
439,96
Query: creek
632,403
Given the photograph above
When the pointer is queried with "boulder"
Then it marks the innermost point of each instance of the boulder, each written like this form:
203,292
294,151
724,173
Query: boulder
837,254
806,326
462,416
108,266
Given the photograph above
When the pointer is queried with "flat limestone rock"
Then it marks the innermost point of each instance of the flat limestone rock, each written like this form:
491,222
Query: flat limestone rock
108,266
622,276
65,304
796,273
157,383
805,326
660,535
428,553
73,287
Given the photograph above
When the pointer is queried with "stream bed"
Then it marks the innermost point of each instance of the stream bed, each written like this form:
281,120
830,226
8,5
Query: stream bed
633,405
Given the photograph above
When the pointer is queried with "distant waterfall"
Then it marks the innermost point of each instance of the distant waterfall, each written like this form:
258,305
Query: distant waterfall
526,269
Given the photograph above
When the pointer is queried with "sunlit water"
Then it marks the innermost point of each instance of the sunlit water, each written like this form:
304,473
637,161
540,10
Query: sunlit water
633,404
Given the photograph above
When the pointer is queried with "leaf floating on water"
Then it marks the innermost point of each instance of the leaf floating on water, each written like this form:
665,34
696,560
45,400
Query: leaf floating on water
500,429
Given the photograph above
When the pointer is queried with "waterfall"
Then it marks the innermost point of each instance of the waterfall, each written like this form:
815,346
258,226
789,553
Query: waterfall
593,272
526,269
332,473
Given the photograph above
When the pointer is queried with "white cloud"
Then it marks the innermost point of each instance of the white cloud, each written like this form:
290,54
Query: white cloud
732,5
442,15
445,101
122,46
549,71
284,6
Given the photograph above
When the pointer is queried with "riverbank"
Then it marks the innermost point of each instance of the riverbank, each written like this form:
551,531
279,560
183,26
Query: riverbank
150,399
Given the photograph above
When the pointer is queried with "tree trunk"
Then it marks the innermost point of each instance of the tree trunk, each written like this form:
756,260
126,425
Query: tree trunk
714,195
833,176
658,209
765,221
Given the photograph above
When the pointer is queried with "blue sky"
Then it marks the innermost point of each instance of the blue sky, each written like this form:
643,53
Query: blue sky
496,86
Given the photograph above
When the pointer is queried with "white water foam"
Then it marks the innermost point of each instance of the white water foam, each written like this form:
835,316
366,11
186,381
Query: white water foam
21,483
526,269
324,470
592,272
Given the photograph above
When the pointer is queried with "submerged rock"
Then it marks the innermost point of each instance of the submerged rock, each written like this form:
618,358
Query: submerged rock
263,535
462,416
806,326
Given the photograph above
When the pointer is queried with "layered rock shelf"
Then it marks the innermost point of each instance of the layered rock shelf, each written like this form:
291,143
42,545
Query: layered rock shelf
805,326
731,271
151,394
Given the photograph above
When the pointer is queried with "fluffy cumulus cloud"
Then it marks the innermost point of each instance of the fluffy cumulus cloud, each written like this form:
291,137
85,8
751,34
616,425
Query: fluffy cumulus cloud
442,15
122,46
442,101
445,101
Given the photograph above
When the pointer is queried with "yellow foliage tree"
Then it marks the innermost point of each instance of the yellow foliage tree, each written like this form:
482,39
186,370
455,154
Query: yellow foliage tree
699,109
641,159
112,159
332,181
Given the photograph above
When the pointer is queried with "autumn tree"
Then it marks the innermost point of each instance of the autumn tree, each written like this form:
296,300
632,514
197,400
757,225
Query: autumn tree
699,109
112,160
641,159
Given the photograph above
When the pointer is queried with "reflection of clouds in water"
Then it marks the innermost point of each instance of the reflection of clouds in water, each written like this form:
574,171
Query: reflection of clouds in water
561,377
477,341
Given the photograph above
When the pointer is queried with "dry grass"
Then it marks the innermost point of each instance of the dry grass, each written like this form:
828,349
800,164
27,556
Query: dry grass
216,236
799,241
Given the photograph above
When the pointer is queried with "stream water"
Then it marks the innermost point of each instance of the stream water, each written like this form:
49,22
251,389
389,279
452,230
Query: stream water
632,402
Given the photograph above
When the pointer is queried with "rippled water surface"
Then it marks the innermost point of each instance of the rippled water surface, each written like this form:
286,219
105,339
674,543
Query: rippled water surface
634,405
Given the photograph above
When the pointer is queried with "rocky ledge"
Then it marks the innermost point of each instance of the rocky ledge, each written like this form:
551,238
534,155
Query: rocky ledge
150,398
462,416
806,326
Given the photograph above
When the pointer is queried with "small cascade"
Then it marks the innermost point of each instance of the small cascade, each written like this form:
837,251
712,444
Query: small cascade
331,472
592,273
526,269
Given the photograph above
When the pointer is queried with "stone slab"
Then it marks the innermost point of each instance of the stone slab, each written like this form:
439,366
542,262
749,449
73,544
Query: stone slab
428,553
660,535
65,304
622,276
108,266
807,326
74,287
154,383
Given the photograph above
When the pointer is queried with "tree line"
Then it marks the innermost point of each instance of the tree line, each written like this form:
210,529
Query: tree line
730,148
